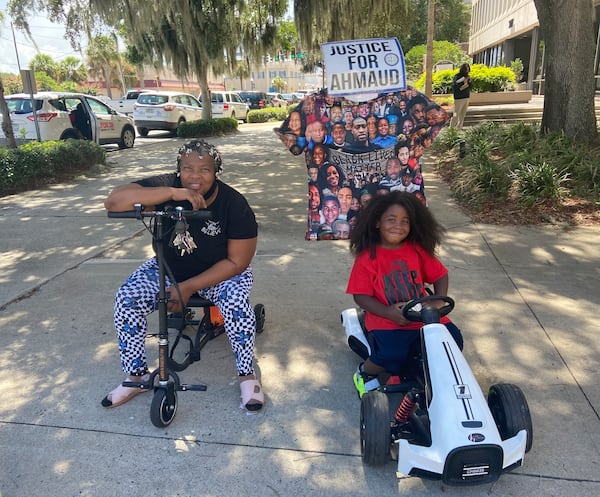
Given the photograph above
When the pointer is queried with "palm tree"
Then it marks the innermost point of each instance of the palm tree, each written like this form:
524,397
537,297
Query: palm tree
71,69
242,71
45,63
102,56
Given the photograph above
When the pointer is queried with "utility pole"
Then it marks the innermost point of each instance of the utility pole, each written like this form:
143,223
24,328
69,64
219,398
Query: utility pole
429,56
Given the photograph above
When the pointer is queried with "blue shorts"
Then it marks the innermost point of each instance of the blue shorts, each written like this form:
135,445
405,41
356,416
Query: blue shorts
390,348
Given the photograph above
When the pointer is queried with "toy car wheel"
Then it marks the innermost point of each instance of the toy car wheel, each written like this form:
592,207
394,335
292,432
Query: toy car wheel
375,430
259,312
510,411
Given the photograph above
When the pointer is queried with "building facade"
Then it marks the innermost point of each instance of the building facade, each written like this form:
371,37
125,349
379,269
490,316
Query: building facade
505,30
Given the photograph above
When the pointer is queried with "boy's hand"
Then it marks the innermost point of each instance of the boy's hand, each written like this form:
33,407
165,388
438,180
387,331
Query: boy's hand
395,313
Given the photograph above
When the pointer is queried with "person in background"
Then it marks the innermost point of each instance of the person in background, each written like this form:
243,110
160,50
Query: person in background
461,88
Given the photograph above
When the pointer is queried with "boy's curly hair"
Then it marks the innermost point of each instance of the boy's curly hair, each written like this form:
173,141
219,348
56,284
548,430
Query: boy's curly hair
424,229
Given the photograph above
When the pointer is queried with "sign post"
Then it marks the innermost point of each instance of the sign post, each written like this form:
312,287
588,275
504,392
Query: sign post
29,86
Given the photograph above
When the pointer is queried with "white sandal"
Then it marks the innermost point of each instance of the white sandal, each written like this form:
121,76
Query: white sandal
253,398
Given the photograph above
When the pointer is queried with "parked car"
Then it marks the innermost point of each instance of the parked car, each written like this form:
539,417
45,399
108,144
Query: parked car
164,110
255,99
290,98
63,115
277,100
126,102
228,104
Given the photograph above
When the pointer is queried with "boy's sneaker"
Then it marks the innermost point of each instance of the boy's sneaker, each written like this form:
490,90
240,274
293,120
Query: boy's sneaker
363,382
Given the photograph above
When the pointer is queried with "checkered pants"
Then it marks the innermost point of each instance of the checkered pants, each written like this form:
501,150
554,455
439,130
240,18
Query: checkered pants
136,299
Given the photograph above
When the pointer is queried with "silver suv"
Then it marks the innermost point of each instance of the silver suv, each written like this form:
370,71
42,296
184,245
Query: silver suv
62,115
228,104
164,110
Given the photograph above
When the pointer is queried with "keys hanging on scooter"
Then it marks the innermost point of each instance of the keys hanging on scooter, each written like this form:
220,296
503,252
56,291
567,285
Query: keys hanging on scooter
183,240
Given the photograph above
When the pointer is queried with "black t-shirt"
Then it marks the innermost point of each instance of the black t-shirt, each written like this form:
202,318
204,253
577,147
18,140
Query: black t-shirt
232,219
457,82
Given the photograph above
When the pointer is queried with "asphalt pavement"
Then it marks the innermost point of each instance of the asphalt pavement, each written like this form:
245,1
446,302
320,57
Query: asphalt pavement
526,302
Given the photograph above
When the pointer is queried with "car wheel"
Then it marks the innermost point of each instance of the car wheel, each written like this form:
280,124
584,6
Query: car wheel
69,134
510,411
127,138
233,115
174,132
143,131
375,430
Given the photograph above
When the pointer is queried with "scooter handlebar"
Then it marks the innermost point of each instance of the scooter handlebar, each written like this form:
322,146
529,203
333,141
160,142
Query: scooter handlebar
138,214
124,214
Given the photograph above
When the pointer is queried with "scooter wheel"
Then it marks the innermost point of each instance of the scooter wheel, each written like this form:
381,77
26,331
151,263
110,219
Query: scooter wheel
259,312
375,430
161,412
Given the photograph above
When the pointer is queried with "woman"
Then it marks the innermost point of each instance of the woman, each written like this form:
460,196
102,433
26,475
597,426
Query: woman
461,88
214,263
331,177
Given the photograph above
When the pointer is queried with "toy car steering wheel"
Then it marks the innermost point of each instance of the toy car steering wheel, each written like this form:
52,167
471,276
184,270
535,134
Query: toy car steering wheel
427,314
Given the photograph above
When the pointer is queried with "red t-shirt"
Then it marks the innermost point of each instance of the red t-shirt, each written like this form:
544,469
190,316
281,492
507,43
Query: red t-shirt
393,276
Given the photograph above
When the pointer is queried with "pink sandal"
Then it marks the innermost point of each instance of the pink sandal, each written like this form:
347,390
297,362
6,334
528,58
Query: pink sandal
253,398
122,394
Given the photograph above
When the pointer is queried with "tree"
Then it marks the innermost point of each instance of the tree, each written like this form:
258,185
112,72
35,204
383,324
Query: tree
278,83
102,56
287,37
242,71
71,69
442,50
197,37
46,64
7,127
318,21
569,72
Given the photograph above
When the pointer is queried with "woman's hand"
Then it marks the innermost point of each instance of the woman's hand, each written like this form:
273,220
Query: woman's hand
174,304
192,196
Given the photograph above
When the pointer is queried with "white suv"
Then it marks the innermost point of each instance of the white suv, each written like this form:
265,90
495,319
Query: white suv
228,104
62,115
164,110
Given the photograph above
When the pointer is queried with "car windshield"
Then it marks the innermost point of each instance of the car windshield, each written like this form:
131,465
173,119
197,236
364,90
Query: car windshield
22,105
248,95
153,99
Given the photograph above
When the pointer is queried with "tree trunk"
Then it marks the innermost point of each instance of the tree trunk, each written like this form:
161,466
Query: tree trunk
106,70
429,57
567,28
7,128
202,73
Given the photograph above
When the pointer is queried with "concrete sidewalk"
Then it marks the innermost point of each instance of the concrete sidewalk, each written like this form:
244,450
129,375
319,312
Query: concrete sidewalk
526,303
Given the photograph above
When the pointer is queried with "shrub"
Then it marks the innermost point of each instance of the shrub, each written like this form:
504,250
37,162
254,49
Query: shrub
484,79
539,181
448,139
34,164
517,161
209,127
268,114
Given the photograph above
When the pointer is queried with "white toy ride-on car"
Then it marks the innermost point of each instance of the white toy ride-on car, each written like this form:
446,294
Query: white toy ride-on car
437,420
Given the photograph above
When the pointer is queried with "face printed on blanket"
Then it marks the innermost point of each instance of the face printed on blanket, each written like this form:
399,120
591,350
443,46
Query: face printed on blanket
367,147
